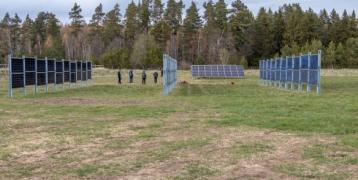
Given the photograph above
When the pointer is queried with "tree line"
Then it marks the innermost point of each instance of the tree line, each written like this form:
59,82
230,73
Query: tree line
223,34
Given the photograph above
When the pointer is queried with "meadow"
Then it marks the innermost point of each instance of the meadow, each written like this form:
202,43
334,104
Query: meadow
205,129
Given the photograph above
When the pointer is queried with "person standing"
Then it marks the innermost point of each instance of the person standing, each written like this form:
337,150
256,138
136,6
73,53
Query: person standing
144,77
119,77
131,75
155,75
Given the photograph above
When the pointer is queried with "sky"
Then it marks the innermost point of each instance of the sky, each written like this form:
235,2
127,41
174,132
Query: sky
62,7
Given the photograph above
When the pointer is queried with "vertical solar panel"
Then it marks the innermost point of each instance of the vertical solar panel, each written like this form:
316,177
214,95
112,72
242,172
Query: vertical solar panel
296,70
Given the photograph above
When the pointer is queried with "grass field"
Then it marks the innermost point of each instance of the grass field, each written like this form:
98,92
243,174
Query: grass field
206,129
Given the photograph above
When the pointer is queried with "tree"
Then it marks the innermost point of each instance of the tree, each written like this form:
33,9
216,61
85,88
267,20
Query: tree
330,55
26,36
263,38
221,13
157,11
243,62
131,24
15,32
112,26
351,53
76,18
146,53
97,19
333,29
53,44
144,16
240,21
340,55
191,25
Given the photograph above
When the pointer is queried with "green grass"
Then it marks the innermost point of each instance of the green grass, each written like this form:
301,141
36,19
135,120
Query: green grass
111,130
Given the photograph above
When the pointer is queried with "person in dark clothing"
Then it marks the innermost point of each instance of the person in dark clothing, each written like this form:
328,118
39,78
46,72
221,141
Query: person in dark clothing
119,77
144,77
131,75
155,75
161,72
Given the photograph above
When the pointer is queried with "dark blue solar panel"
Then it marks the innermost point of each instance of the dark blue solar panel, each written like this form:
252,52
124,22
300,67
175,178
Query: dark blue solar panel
17,80
296,63
51,77
289,75
73,66
41,66
89,66
51,65
66,65
217,71
41,79
30,78
296,76
304,76
30,64
313,77
314,62
73,77
304,61
289,63
59,78
17,65
283,64
59,66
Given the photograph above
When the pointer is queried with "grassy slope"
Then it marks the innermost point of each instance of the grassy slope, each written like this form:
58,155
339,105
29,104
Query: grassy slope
49,122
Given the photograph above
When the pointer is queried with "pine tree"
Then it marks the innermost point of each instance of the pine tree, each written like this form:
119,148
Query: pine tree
324,22
333,29
39,34
76,19
209,15
353,25
330,55
310,26
240,21
278,30
294,27
53,45
144,16
351,53
26,36
97,19
221,13
192,23
112,26
173,14
5,23
15,32
263,41
157,11
340,55
131,24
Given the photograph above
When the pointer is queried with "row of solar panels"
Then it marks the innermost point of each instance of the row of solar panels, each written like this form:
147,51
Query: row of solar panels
217,71
299,69
32,71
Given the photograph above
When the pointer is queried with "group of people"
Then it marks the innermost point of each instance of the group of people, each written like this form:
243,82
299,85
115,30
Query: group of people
144,76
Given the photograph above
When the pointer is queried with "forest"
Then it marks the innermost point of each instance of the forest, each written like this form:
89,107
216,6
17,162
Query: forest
222,34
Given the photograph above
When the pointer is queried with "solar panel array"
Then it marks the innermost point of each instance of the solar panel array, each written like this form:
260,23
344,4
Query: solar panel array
35,72
292,71
169,74
217,71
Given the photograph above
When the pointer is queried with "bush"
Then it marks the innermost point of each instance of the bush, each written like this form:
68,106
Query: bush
117,58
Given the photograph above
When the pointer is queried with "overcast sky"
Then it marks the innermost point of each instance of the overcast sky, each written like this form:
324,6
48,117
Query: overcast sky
62,7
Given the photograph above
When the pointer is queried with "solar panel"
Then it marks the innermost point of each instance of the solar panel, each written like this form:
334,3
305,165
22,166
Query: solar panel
217,71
